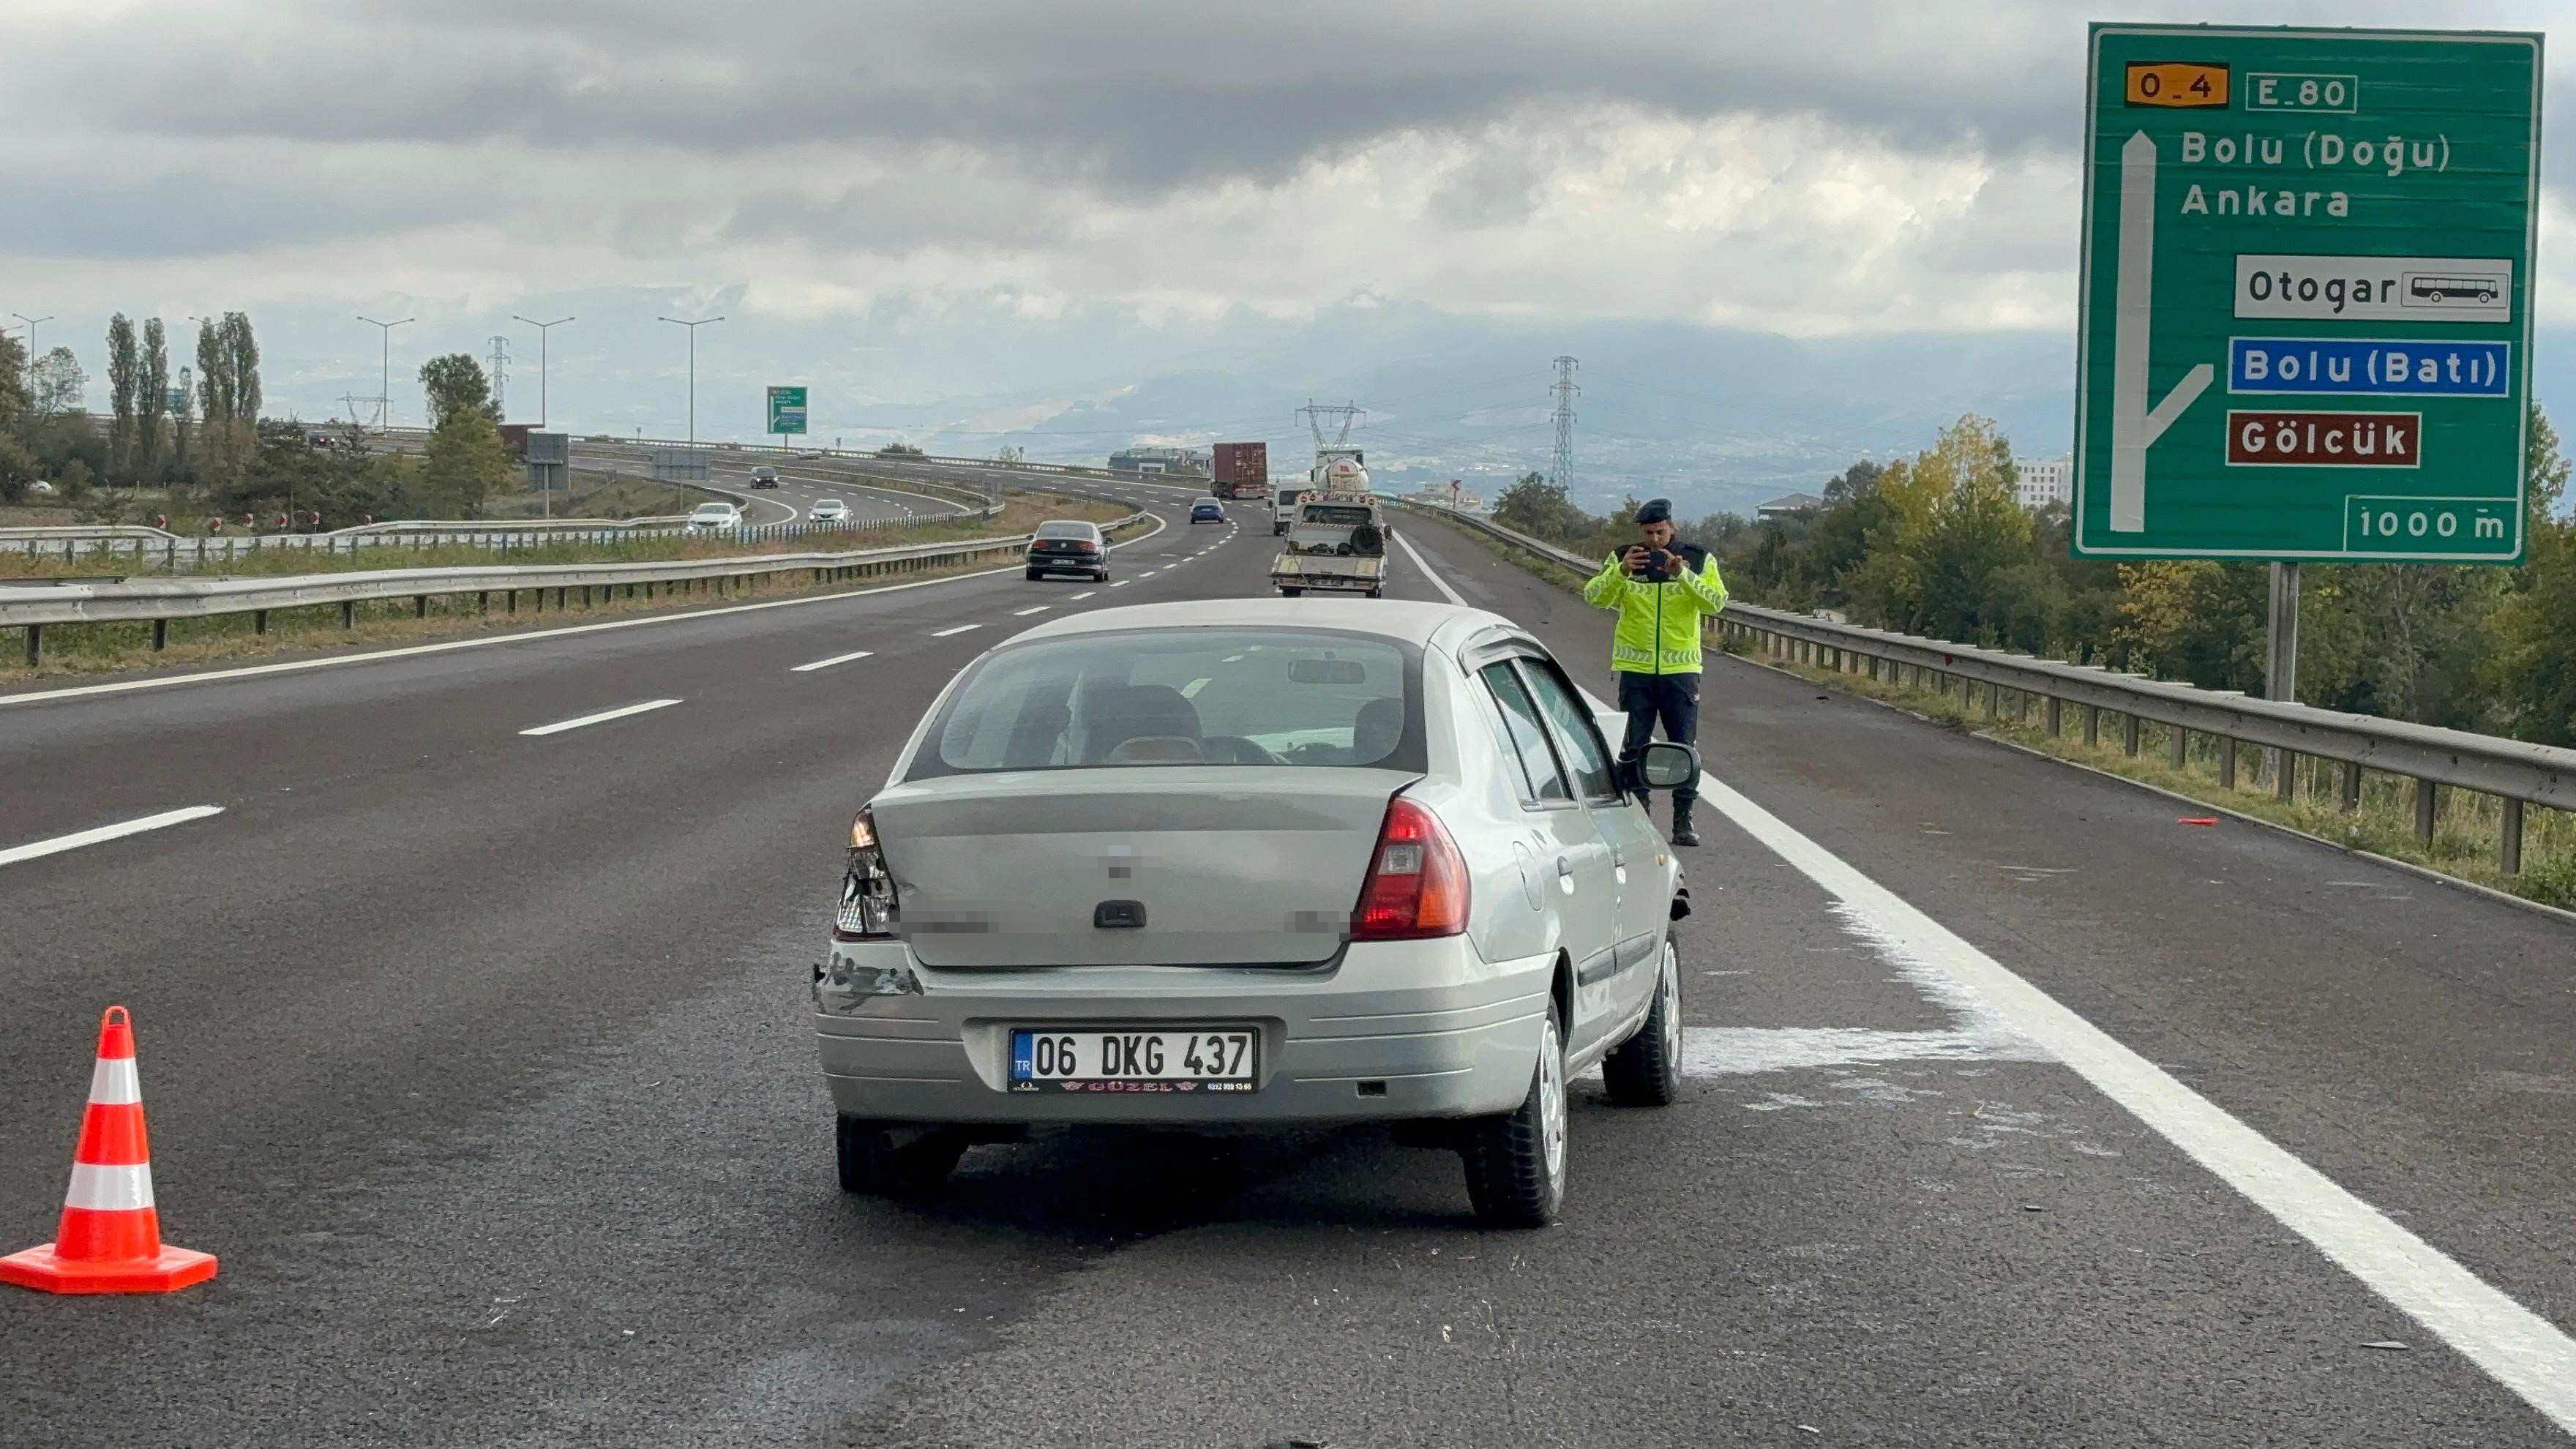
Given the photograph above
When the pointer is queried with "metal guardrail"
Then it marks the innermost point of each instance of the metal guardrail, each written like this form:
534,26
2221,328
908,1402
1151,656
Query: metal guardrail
2517,774
37,607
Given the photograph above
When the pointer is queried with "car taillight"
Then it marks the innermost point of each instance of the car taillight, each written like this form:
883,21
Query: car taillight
1417,884
869,909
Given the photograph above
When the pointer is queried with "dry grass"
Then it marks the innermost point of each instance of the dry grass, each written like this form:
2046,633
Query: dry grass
2467,828
99,648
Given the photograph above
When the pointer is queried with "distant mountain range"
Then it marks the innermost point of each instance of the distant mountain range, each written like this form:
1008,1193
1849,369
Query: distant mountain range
1714,419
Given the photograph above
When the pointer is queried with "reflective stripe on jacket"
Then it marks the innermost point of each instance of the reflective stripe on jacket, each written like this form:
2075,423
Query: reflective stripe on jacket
1659,623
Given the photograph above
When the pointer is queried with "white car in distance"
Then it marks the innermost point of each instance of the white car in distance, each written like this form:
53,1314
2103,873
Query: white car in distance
830,510
714,518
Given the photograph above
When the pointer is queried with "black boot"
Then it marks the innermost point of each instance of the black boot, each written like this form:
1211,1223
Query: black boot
1683,834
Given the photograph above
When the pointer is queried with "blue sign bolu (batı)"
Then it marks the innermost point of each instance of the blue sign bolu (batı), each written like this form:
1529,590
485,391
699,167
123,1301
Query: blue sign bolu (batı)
2390,367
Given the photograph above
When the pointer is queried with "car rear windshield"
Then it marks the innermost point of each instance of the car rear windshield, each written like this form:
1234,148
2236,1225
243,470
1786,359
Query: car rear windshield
1340,515
1258,697
1066,530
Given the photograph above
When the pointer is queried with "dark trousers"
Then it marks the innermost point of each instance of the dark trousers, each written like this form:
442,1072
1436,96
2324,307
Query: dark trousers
1669,699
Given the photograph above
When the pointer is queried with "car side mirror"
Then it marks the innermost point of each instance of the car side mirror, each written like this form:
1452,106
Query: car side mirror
1667,766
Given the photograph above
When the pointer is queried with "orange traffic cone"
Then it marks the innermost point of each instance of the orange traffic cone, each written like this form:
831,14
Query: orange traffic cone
110,1240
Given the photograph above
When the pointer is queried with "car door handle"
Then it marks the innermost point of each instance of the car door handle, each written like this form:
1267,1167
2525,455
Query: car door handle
1565,867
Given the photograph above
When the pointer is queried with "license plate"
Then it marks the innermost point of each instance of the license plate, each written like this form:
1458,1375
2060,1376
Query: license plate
1182,1059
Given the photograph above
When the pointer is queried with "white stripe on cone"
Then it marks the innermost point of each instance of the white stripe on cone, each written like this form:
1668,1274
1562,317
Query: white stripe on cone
110,1189
112,1083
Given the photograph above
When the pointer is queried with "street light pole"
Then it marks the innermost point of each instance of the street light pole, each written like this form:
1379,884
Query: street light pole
693,376
542,328
31,348
385,378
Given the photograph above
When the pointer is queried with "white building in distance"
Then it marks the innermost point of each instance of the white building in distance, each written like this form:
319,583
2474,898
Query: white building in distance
2044,481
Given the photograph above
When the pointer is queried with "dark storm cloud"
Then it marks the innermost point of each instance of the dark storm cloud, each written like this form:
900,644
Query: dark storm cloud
1139,97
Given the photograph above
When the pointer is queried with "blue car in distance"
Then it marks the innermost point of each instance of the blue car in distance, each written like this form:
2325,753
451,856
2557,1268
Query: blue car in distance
1206,513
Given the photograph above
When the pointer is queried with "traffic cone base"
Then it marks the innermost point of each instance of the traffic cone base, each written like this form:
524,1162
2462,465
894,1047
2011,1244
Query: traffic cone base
39,1268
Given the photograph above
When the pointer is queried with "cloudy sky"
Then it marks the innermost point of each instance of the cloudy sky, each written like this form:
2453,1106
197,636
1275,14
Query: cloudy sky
1037,203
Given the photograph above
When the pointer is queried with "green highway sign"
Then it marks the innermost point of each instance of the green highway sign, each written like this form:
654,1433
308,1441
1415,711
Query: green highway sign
2306,312
786,410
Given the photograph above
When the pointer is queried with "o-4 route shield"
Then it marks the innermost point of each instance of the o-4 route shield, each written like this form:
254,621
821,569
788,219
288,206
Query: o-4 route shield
2306,310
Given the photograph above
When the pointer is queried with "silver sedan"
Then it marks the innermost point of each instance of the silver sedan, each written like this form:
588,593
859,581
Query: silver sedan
1266,863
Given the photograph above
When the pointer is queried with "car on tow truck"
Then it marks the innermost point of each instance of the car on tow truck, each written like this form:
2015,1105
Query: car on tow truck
1246,865
1336,544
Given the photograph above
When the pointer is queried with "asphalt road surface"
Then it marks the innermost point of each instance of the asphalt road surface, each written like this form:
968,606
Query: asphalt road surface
801,485
2019,1115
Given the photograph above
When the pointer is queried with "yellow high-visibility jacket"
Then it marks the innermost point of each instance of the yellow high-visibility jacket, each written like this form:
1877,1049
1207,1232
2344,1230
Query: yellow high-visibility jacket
1659,623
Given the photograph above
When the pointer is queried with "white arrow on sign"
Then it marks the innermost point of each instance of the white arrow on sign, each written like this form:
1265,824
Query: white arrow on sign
2133,427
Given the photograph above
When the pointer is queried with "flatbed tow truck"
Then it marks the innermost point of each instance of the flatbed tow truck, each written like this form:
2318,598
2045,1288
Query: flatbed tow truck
1336,543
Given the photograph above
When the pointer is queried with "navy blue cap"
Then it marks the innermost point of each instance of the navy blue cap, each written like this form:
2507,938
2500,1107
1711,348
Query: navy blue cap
1655,510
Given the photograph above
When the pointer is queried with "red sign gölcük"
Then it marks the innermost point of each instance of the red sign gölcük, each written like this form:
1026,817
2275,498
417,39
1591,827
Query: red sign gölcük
2344,440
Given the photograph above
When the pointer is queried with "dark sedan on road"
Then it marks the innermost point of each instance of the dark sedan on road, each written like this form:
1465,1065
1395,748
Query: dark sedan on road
1206,513
1069,546
764,476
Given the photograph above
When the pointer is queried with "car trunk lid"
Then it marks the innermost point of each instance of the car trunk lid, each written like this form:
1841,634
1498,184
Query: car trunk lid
1159,866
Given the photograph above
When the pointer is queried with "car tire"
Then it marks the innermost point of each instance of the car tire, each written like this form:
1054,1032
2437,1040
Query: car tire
1289,593
1036,574
1646,1069
1516,1162
871,1162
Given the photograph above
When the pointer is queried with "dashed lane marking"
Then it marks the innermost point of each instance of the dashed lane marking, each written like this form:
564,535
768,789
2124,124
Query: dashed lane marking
828,663
79,838
959,629
559,726
1024,613
1087,593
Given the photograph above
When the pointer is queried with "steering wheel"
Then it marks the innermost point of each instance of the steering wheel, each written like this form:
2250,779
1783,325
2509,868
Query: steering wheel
1236,750
1156,750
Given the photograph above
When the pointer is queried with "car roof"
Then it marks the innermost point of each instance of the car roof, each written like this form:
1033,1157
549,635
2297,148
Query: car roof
1411,623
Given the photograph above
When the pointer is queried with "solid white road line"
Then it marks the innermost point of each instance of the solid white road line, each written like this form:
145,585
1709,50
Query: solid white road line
2517,1347
959,629
559,726
828,663
1437,582
76,840
1024,613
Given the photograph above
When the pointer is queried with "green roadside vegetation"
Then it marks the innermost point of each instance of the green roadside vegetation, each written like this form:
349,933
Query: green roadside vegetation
2467,827
98,648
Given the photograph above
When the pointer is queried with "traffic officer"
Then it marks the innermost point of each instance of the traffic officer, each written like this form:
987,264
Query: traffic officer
1663,590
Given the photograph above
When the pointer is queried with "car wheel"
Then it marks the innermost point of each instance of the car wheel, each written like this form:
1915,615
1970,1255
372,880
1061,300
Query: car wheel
1646,1069
1101,577
1289,593
871,1162
1516,1163
1036,574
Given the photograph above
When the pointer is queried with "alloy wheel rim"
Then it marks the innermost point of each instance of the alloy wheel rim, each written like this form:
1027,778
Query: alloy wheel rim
1551,1102
1671,988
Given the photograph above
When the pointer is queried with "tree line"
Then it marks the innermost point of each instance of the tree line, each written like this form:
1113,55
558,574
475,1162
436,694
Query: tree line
205,447
1936,544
